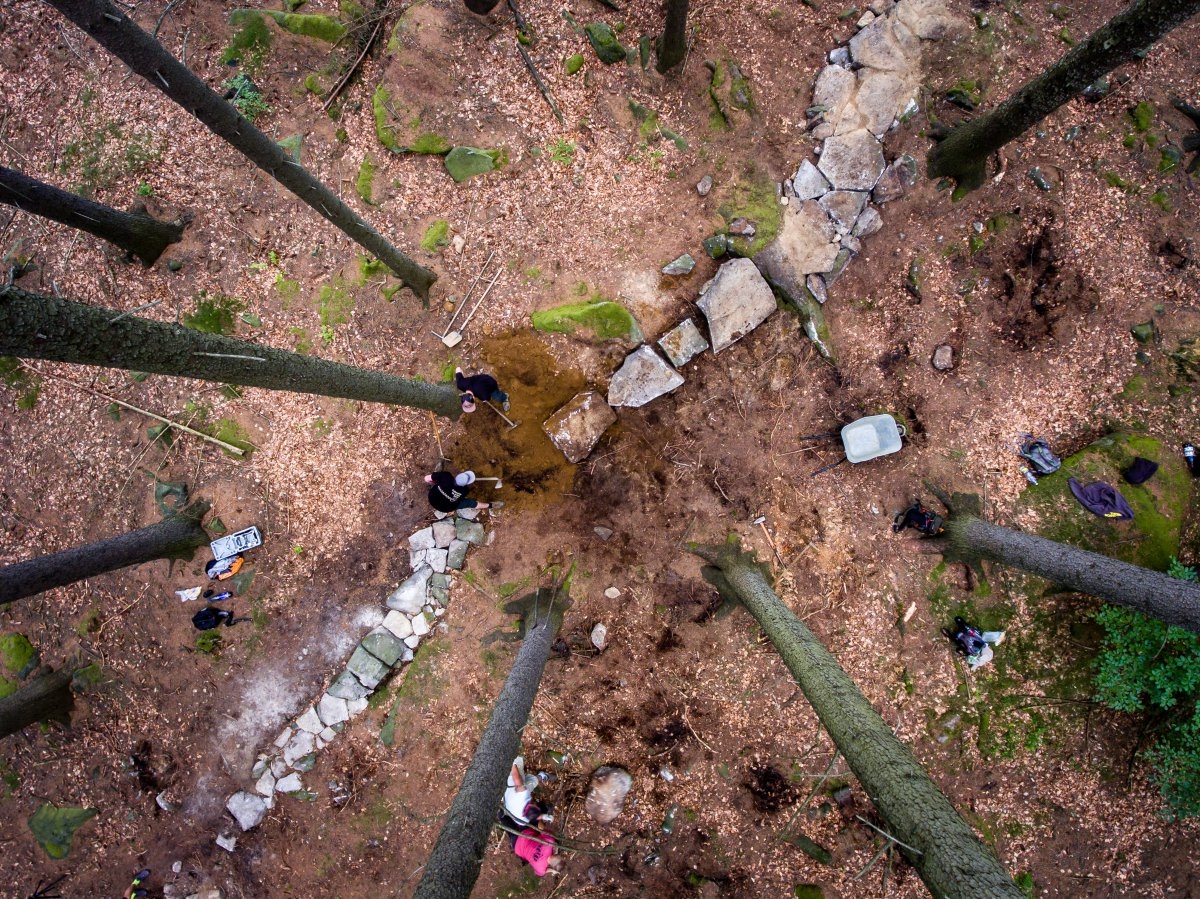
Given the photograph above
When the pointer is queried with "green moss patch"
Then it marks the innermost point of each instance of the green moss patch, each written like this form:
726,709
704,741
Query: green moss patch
383,118
430,144
250,43
54,827
650,128
466,162
573,63
421,685
753,198
436,236
334,304
605,320
216,314
229,431
1152,538
17,655
364,184
323,28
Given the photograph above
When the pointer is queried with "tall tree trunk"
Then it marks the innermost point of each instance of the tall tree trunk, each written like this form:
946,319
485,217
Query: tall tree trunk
137,233
453,866
35,326
175,537
963,154
951,860
1152,593
109,27
45,697
672,46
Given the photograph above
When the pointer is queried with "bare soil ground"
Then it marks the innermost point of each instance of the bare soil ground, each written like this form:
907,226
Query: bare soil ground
1038,316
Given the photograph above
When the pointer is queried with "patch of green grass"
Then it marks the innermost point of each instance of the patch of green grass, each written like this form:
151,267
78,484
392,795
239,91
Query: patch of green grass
753,198
87,622
364,184
145,189
251,42
214,314
288,288
1112,179
209,643
1159,198
17,655
334,303
301,340
383,117
1142,116
604,319
436,236
99,165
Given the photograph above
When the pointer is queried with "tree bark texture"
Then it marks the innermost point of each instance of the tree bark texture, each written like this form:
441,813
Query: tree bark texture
1150,592
952,861
176,537
136,233
35,326
963,154
453,866
118,34
672,46
45,697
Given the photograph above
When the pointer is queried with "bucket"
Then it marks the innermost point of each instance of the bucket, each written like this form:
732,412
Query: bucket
871,437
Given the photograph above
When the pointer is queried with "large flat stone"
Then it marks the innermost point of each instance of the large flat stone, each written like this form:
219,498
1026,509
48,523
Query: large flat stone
456,554
807,244
881,98
735,302
834,88
310,721
333,710
349,687
368,669
879,47
436,559
927,19
299,746
398,624
470,531
844,207
808,183
683,343
382,644
247,809
577,427
422,539
642,377
852,161
410,595
443,533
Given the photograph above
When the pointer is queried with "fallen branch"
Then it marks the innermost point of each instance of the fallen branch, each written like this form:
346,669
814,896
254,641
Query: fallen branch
523,31
336,91
228,447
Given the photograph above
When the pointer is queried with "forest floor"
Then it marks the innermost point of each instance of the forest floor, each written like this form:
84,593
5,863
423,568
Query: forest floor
697,706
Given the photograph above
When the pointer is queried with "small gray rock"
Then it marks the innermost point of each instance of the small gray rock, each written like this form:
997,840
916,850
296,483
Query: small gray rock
472,533
606,796
265,784
868,223
226,841
289,784
683,343
299,746
443,532
840,56
808,183
602,532
704,185
436,559
398,624
247,809
309,721
741,227
644,376
681,265
816,286
943,358
599,637
456,555
422,539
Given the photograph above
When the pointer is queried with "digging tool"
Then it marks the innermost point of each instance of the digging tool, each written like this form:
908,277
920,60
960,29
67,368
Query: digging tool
462,305
499,483
511,424
438,437
454,338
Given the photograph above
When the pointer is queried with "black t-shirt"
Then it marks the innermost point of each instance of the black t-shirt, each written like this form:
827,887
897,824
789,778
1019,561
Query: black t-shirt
444,494
483,386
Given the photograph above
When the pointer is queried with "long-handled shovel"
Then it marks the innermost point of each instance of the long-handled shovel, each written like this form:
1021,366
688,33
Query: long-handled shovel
454,338
511,424
499,483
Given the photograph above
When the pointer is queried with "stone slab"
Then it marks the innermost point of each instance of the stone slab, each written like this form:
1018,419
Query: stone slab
736,301
683,343
398,624
643,376
806,245
309,721
247,809
577,427
368,669
384,645
299,746
410,595
852,161
422,539
332,710
879,47
808,183
470,531
348,687
443,533
844,207
456,555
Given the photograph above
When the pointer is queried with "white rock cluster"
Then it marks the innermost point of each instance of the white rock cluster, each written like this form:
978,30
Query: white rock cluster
413,609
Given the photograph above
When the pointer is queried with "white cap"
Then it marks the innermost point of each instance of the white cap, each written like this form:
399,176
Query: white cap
464,478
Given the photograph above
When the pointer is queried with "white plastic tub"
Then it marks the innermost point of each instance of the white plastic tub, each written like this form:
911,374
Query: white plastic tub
871,437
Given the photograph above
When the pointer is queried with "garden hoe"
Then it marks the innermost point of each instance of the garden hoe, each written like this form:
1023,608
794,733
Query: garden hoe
511,424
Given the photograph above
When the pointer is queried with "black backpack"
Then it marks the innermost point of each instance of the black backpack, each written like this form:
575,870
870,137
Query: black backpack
1038,454
208,618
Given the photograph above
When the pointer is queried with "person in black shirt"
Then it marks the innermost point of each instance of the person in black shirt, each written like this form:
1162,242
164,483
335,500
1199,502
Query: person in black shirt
447,492
483,387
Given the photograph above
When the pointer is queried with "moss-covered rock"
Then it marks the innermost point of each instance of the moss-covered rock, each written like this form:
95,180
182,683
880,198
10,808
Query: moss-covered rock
1152,537
323,28
364,184
17,655
573,63
753,198
604,41
466,162
605,320
437,235
383,118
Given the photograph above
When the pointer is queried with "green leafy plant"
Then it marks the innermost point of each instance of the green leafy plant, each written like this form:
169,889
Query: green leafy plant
562,151
145,189
246,97
209,643
1149,667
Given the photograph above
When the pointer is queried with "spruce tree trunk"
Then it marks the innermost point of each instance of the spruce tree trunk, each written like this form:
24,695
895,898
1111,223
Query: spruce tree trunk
34,326
453,866
953,862
963,154
118,34
45,697
137,233
672,46
176,537
1150,592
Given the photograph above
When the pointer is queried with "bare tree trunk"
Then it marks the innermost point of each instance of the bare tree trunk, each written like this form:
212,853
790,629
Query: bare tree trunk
176,537
963,154
672,45
949,857
45,697
137,233
109,27
453,866
34,326
1152,593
